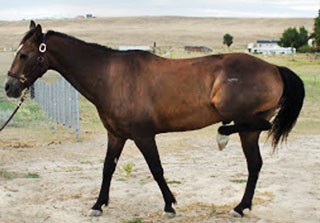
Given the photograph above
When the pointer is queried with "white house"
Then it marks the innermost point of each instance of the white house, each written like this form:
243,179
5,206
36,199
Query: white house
269,47
143,48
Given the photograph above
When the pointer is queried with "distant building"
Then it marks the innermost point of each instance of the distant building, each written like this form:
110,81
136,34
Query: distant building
267,43
143,48
311,42
201,49
269,47
89,16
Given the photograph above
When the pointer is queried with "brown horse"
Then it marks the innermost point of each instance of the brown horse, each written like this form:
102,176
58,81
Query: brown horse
138,95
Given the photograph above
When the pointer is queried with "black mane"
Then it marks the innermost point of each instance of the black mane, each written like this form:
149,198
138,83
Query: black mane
75,40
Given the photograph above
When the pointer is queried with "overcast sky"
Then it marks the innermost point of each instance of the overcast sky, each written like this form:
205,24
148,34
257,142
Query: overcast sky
37,9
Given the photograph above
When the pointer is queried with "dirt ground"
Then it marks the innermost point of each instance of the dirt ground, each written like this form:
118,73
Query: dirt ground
207,183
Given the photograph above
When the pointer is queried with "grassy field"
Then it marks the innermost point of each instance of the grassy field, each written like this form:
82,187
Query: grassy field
308,69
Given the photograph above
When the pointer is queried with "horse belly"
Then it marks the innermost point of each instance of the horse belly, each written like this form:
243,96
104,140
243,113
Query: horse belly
186,120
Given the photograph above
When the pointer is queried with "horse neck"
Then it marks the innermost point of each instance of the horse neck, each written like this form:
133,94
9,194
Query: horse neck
79,63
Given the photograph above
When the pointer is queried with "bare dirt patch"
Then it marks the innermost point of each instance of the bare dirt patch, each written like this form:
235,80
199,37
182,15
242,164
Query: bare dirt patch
206,182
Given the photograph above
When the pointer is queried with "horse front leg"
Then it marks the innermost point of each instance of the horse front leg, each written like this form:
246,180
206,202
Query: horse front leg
115,146
149,150
249,141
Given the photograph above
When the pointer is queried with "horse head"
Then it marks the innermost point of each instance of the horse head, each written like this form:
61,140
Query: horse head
29,63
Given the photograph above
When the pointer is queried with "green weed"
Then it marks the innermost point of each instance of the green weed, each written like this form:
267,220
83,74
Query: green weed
7,175
238,181
213,211
134,220
31,175
128,168
173,182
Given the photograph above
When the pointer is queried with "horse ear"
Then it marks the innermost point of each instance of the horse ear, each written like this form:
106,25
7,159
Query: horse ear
38,31
32,25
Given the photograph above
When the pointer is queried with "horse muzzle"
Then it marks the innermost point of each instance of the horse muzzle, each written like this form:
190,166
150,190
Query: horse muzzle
13,88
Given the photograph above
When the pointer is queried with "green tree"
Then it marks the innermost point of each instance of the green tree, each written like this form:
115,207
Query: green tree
227,39
292,37
303,37
316,30
289,37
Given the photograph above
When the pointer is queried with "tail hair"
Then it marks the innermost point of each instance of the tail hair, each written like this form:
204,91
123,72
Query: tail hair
290,106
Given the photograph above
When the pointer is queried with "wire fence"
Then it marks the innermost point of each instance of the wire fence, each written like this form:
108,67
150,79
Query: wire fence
60,102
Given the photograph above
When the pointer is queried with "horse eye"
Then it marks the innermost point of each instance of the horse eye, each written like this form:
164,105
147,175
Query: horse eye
23,56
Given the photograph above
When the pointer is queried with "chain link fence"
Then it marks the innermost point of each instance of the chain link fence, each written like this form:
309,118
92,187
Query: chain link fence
60,102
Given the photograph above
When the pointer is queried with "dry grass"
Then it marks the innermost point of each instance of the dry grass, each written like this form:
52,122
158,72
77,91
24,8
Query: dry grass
166,31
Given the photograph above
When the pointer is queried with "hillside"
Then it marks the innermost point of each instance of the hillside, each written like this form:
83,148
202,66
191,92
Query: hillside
166,31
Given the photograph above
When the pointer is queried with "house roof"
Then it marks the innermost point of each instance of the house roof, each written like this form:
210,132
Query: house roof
267,41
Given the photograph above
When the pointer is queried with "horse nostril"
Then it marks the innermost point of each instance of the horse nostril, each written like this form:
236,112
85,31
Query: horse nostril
7,87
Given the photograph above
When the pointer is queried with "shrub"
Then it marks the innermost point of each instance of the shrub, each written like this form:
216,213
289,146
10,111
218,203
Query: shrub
305,49
292,37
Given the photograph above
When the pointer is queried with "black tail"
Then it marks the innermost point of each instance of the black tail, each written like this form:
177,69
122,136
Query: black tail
289,107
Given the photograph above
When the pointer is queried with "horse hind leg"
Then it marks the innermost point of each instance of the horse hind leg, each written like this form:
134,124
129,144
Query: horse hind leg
249,126
222,140
249,141
224,131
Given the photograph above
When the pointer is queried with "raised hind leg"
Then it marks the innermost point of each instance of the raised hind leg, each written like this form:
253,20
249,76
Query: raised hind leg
249,141
149,150
115,146
222,140
258,124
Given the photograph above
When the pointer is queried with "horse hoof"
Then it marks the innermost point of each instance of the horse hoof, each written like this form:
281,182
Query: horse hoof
222,141
235,214
169,215
95,213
